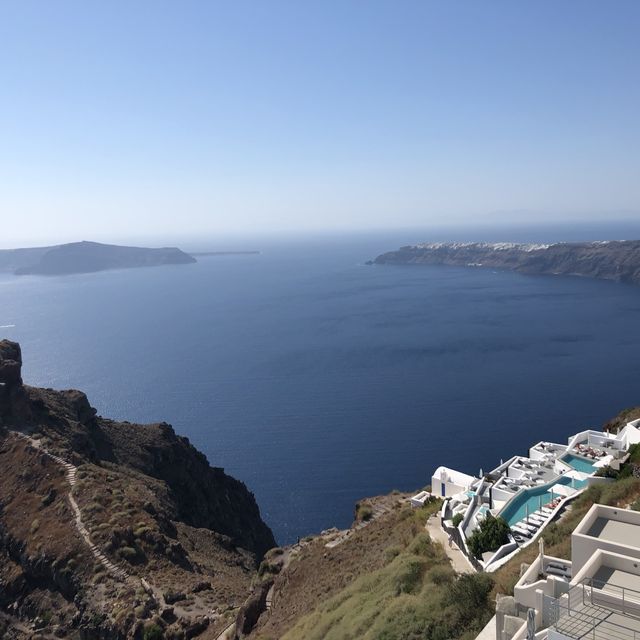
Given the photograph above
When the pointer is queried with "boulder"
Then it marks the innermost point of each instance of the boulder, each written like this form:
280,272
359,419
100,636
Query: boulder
252,609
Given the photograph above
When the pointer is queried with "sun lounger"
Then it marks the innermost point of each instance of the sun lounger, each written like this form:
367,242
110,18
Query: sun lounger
558,572
521,530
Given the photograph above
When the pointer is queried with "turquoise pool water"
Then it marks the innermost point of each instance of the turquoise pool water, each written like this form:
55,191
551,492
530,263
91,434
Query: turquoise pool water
572,482
578,463
530,500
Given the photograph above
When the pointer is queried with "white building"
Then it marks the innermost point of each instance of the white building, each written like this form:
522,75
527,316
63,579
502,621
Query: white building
528,491
594,596
447,483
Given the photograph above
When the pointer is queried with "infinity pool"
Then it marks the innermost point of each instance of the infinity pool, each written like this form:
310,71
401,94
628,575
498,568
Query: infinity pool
530,500
578,463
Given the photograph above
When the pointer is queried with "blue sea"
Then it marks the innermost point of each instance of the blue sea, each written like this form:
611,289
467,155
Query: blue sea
318,380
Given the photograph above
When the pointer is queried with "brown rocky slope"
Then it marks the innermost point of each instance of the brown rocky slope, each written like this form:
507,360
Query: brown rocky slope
114,530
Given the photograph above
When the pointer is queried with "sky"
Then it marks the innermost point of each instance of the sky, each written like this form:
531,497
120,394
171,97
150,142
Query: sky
150,118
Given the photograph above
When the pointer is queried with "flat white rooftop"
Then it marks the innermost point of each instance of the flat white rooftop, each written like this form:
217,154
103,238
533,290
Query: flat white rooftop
615,531
610,579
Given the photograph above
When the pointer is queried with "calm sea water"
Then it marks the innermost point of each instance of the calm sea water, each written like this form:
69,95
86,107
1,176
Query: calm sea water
318,380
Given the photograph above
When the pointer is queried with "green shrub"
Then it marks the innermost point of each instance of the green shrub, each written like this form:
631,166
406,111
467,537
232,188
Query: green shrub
607,472
364,512
127,553
626,471
620,491
469,594
441,575
634,454
421,544
392,552
489,536
457,519
152,632
410,570
268,567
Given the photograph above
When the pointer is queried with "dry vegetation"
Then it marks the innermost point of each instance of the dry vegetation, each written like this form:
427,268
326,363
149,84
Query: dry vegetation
387,581
199,571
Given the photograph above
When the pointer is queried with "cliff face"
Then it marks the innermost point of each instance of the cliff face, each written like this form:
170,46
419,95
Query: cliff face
616,260
108,528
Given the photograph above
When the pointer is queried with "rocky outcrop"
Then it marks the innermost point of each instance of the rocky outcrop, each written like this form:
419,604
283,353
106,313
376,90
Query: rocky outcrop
12,395
143,500
622,419
10,363
615,260
252,609
203,496
87,257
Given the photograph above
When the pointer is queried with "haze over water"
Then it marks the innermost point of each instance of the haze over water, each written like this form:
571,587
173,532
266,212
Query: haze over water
318,380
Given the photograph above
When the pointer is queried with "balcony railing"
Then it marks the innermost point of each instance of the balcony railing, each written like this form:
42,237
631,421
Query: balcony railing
585,611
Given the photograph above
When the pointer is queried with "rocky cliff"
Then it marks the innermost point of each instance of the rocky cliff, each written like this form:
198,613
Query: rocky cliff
87,257
615,260
114,530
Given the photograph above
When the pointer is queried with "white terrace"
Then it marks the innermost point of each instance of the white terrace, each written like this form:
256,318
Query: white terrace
596,596
528,491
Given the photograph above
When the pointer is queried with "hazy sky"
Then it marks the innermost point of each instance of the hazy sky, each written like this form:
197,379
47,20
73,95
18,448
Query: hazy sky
151,118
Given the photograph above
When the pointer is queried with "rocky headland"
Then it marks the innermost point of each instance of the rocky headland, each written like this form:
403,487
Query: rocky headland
114,530
87,257
607,260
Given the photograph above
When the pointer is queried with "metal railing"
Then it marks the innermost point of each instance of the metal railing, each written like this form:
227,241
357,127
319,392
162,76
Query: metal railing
585,611
613,596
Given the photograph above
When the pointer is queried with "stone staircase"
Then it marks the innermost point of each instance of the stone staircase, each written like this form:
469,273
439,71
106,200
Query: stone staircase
71,472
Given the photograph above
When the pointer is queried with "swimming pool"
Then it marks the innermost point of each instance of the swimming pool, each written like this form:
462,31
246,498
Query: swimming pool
526,502
530,500
578,463
572,482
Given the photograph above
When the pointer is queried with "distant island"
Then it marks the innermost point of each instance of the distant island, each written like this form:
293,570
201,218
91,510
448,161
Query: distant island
606,260
86,257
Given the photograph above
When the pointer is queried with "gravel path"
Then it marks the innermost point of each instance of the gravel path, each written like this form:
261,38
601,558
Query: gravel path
459,561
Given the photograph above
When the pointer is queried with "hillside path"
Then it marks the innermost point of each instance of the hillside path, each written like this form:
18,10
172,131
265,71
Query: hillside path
117,572
71,472
459,561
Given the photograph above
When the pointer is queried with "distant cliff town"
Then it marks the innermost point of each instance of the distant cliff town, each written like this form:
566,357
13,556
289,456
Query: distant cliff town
607,260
